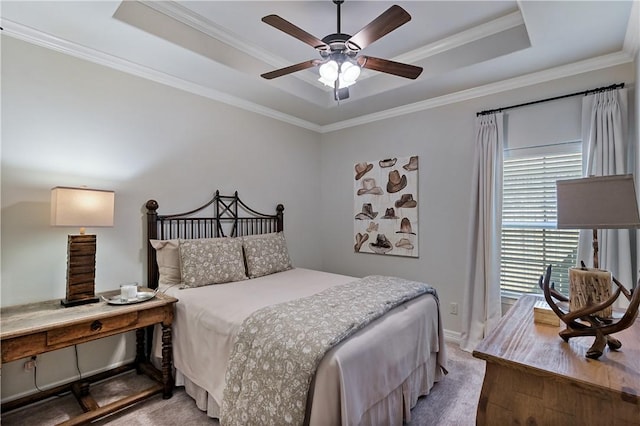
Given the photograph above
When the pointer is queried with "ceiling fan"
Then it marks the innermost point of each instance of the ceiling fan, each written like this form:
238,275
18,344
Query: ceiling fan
340,64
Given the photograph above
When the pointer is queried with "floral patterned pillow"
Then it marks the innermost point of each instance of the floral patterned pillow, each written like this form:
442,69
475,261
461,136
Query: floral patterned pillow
211,261
266,254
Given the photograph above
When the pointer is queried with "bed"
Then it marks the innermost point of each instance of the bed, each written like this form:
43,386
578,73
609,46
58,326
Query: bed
374,376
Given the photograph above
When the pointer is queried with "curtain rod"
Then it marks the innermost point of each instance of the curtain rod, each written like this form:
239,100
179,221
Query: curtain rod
585,92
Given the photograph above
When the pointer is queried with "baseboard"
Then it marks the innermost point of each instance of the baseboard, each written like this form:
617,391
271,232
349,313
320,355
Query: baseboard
452,336
69,379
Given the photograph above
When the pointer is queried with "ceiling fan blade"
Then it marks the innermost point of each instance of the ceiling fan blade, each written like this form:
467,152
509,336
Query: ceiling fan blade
389,67
291,69
388,21
294,31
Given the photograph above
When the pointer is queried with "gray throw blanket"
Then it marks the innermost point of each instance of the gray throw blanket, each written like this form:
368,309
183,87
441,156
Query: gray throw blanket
279,347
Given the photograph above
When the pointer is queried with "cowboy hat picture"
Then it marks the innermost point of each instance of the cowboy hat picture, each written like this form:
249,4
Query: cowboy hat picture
396,183
367,212
385,205
390,213
382,245
404,243
360,239
362,169
412,164
389,162
405,227
369,187
406,201
372,227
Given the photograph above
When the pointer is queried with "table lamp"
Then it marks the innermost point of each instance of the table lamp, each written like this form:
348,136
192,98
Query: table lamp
81,207
598,202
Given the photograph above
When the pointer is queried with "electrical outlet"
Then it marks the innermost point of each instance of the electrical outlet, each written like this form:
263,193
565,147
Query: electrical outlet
453,309
30,365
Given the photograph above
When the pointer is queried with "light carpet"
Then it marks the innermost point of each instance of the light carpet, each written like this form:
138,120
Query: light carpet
452,401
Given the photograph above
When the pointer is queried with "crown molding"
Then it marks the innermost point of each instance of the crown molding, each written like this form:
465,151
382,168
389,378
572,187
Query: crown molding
550,74
476,33
180,13
24,33
39,38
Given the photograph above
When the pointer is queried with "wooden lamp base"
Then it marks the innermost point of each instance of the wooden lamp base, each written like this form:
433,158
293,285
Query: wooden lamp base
69,303
81,270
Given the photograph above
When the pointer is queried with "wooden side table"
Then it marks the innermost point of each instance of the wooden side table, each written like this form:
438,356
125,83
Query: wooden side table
36,328
534,377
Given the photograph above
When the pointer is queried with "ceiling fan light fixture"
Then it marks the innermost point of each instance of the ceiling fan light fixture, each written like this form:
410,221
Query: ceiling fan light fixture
346,72
342,83
349,72
329,72
326,82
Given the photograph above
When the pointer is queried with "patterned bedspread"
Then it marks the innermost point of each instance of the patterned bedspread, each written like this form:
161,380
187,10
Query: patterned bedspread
279,347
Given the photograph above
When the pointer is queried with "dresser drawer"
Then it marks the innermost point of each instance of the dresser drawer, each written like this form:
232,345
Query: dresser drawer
91,328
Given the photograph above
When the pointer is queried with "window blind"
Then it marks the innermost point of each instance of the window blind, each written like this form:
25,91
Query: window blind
530,240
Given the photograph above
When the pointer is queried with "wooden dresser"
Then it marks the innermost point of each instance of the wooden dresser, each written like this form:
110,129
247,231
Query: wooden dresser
36,328
534,378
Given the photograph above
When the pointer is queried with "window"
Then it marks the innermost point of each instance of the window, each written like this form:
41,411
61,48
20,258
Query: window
530,240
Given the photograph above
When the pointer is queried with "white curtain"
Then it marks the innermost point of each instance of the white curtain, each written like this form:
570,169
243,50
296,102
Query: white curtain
606,149
482,306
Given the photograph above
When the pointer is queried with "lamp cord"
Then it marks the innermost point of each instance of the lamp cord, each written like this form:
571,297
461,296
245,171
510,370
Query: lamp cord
35,372
77,362
35,377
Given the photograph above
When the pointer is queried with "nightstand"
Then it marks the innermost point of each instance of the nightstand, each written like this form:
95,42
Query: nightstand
36,328
534,377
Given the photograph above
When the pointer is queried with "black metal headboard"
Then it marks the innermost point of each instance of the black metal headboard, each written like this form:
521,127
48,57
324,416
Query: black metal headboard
231,218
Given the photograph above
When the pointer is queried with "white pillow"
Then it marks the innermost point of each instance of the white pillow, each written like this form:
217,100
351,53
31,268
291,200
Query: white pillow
211,261
266,254
168,259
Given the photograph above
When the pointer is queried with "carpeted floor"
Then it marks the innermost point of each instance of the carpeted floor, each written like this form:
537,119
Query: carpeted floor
452,401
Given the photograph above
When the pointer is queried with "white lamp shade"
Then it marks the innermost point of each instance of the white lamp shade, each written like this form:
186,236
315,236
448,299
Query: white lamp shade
598,202
349,72
82,207
329,70
342,83
329,83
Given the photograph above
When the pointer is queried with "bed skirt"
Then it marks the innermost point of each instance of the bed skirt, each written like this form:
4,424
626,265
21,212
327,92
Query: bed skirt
392,410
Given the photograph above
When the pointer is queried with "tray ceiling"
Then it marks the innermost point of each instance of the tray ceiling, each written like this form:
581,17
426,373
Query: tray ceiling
219,49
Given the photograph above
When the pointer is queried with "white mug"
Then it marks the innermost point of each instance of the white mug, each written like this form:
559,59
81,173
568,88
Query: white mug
128,291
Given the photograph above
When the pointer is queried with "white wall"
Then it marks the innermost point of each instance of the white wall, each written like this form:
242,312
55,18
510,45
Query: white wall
443,139
70,122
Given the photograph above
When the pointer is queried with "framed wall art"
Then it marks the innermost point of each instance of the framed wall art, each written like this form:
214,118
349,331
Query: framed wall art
386,206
